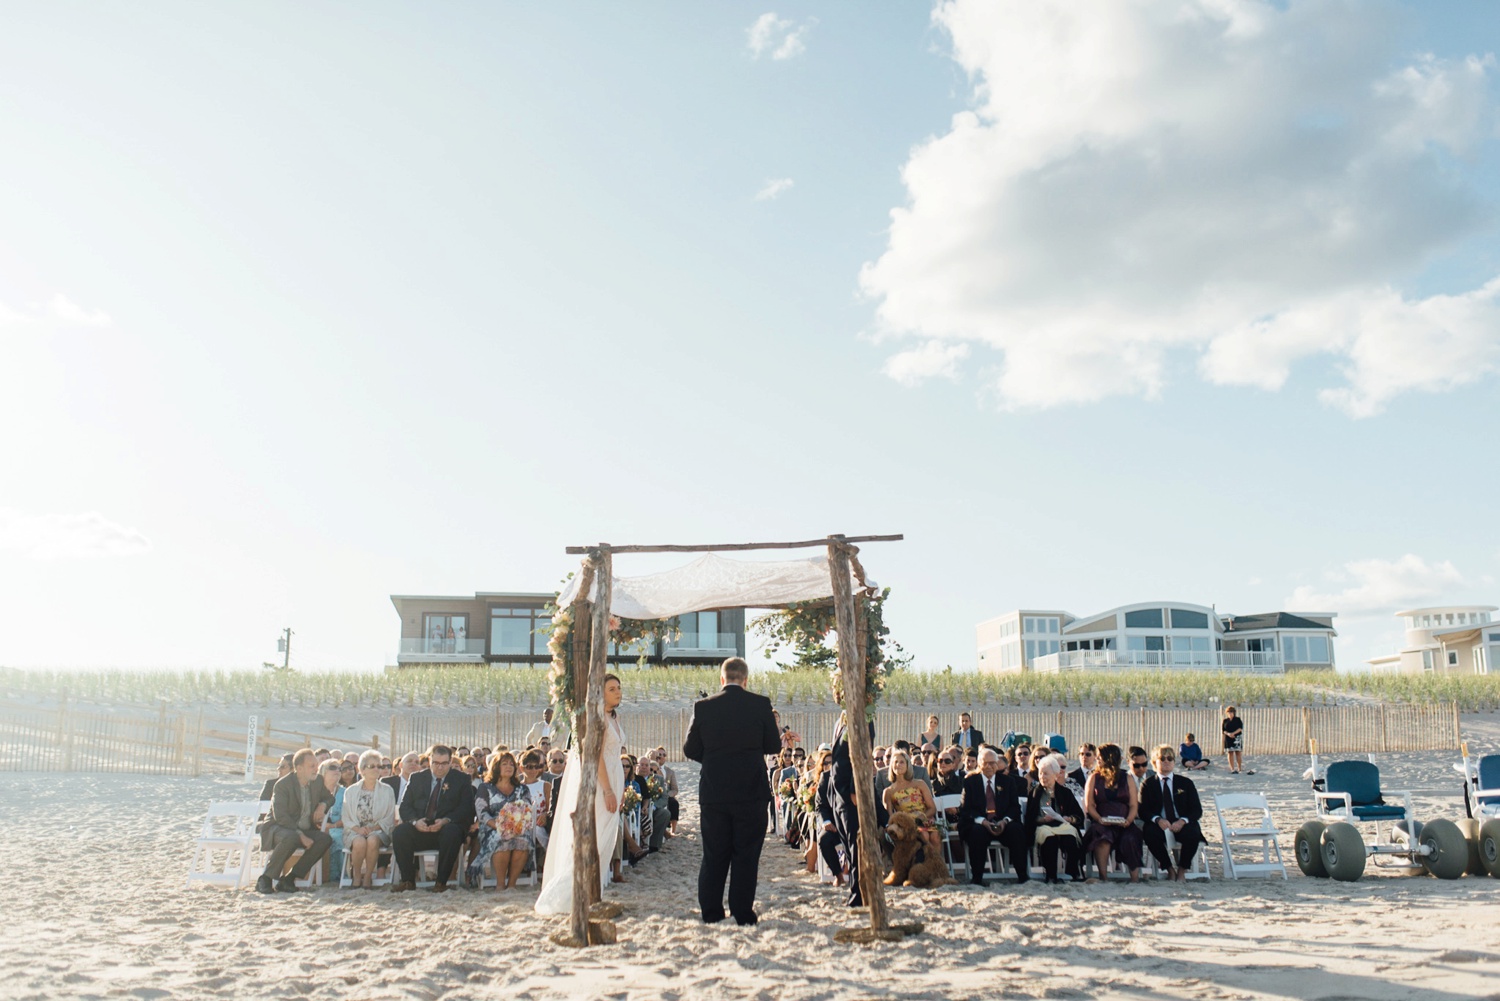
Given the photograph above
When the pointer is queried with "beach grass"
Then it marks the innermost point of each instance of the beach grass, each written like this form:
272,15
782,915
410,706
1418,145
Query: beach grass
468,686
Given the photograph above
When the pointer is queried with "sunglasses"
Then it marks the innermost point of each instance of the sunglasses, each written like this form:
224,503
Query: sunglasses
1137,765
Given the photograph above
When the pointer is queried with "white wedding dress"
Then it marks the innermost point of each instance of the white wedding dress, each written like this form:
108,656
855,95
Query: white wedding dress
557,878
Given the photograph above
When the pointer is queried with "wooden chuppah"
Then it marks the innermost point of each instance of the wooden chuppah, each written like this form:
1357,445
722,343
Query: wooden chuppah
588,924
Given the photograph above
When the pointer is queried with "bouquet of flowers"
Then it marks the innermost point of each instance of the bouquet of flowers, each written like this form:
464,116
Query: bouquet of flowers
514,820
807,796
786,790
630,800
654,787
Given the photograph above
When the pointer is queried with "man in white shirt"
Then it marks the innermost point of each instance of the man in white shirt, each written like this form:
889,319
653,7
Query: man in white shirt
542,729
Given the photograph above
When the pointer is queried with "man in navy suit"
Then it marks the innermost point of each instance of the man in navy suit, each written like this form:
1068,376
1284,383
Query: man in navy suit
435,813
1170,803
966,736
730,735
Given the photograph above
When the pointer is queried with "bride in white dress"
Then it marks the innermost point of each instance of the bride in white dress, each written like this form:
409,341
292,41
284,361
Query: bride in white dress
557,878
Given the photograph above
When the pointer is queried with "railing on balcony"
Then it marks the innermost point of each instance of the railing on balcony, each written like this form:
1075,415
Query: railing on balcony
1224,661
437,649
705,642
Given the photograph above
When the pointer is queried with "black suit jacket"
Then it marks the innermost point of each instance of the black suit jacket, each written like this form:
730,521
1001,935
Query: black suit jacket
730,735
976,737
394,781
1063,802
455,802
1184,799
1008,795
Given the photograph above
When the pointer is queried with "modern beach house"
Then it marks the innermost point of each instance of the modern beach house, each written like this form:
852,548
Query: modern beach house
1449,639
511,628
1155,634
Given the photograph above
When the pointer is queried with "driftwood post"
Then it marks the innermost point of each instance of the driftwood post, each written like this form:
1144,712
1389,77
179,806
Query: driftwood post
586,861
861,754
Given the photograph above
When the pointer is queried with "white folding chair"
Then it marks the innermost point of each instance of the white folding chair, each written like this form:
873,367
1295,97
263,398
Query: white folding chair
1262,829
229,831
953,801
1199,868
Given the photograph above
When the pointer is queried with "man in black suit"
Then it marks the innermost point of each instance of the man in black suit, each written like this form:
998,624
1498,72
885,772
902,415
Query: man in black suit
283,769
966,736
730,735
1088,756
435,813
293,824
991,811
1170,803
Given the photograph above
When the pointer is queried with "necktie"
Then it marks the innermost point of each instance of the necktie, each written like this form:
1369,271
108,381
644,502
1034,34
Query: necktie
1166,797
989,796
432,800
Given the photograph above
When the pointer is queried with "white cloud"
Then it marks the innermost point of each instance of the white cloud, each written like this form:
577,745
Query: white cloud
780,38
59,311
773,189
1240,179
1376,586
68,536
931,359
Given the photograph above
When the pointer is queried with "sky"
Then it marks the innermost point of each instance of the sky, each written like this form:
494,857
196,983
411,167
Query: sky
1097,302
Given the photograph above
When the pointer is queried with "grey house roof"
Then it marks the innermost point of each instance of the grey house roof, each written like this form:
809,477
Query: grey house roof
1271,620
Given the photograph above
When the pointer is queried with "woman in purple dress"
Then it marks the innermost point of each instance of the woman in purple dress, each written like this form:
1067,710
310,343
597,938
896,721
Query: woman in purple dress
1111,800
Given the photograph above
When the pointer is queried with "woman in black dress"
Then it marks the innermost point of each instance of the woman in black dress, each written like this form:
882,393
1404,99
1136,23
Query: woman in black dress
1234,741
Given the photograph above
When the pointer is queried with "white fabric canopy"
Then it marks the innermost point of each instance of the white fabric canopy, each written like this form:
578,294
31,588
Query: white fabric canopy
714,582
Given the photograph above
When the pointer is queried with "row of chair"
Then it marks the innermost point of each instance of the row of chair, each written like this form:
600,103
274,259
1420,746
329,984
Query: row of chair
227,853
1244,818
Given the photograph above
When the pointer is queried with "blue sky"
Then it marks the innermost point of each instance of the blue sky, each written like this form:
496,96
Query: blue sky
305,305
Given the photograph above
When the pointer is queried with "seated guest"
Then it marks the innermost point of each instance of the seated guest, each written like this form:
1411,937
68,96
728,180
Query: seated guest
1190,755
1087,758
506,814
991,812
322,754
294,802
405,770
669,774
971,760
541,791
470,765
283,768
351,758
949,780
369,816
1054,819
906,794
827,831
1170,803
349,771
331,772
556,761
1111,802
661,813
1020,761
1140,765
435,813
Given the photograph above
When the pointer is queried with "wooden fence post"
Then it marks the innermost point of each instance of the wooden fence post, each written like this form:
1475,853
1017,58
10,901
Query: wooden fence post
1385,743
1458,735
1306,728
65,734
198,747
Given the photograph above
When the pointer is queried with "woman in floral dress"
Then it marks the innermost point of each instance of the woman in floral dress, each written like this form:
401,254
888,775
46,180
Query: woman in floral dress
505,814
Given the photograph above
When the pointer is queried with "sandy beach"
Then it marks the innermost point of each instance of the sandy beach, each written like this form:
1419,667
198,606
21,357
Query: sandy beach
100,912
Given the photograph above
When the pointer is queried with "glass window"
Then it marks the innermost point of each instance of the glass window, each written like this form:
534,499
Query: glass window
1031,650
1452,658
509,633
1143,618
1317,649
1052,625
1184,619
1427,660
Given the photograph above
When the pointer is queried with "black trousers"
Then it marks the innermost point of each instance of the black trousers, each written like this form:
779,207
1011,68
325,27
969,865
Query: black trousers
1188,840
732,836
977,843
1048,851
846,823
285,841
406,841
828,847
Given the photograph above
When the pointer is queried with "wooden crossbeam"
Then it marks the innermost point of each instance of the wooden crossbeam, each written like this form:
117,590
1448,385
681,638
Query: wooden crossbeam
734,547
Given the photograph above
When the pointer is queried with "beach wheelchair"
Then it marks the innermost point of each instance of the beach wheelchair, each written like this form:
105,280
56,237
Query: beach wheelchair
1350,795
1482,804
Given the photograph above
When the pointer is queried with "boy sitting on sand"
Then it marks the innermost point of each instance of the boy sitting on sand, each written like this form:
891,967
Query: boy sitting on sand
1190,755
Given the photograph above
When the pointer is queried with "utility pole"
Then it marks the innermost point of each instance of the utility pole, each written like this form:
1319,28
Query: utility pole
285,644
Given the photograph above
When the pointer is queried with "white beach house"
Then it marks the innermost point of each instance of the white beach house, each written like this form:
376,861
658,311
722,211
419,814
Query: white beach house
1451,639
1163,635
